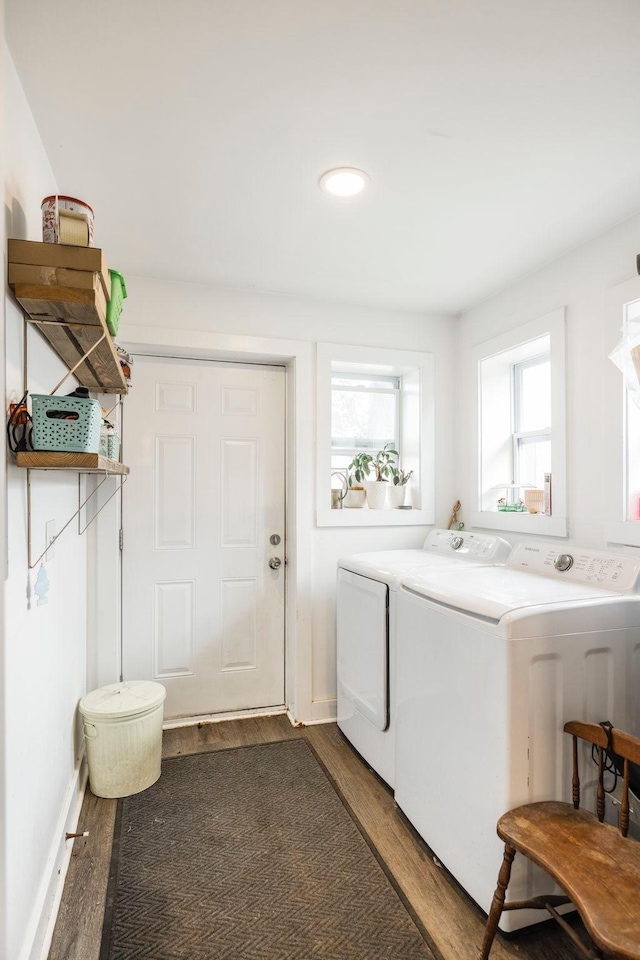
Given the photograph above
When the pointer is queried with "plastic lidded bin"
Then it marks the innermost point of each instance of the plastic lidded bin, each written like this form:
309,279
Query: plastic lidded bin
123,736
65,423
114,306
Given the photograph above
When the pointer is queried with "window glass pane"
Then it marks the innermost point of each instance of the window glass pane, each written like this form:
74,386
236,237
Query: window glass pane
534,401
633,460
362,420
534,460
632,416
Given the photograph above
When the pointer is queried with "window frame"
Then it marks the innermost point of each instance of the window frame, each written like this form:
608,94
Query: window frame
416,371
617,528
551,325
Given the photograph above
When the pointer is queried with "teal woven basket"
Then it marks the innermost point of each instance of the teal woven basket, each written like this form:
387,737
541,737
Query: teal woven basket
65,424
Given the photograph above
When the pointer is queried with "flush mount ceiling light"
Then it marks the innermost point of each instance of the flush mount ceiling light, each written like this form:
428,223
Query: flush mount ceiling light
344,181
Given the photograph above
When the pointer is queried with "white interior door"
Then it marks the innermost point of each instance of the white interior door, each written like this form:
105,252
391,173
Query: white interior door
203,612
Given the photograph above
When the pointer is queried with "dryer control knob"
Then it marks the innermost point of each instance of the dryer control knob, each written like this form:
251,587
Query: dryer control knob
563,562
456,543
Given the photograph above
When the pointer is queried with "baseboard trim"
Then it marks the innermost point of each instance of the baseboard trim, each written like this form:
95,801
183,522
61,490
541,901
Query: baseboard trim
45,912
323,711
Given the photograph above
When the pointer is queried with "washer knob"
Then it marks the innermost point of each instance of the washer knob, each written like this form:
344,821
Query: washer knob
456,542
563,562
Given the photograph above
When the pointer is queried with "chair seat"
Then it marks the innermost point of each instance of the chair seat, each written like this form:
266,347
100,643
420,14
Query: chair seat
595,866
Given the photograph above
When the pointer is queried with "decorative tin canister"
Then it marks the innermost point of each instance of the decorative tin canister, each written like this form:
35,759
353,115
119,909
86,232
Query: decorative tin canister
67,220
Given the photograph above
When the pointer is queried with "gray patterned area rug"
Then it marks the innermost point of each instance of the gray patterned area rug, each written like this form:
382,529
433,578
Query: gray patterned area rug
250,854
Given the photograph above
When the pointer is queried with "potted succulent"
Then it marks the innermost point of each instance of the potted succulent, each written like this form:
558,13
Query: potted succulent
358,470
398,489
383,465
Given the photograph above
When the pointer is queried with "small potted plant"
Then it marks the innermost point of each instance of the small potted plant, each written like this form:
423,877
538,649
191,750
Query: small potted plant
398,489
383,465
505,507
357,472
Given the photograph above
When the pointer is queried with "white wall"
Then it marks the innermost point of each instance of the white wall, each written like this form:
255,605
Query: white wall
244,314
3,555
44,647
580,281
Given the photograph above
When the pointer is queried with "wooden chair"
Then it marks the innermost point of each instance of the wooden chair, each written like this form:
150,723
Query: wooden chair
590,860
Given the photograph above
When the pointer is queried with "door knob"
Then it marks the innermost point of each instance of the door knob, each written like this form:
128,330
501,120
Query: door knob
275,563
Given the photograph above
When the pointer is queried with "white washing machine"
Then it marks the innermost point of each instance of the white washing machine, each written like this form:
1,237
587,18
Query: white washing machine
366,610
490,665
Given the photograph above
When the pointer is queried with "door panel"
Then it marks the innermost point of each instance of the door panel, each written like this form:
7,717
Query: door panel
203,612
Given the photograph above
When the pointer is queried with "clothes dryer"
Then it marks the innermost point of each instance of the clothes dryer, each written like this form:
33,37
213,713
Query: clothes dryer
491,664
366,612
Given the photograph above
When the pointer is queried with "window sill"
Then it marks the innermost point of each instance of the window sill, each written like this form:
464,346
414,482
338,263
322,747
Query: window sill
624,532
353,517
530,523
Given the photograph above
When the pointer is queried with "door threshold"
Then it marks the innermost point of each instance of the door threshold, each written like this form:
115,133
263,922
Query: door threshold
174,722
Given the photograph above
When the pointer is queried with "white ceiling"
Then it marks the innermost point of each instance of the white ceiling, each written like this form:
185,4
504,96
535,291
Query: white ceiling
497,134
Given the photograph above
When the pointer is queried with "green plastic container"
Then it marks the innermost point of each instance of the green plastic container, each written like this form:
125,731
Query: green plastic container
114,307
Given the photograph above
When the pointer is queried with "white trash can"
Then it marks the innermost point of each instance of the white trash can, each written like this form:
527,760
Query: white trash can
123,736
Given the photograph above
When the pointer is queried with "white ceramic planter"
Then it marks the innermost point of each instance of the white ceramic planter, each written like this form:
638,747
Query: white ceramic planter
396,496
355,498
376,493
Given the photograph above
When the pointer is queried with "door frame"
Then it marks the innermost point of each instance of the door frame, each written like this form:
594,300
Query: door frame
298,359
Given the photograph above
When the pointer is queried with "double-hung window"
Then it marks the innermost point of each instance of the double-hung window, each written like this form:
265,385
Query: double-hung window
532,420
369,398
621,446
365,415
521,427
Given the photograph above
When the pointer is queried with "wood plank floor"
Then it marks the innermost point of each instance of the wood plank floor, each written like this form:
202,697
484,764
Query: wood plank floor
455,925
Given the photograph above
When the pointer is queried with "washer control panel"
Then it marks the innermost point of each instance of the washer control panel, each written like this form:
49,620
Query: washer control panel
608,570
465,545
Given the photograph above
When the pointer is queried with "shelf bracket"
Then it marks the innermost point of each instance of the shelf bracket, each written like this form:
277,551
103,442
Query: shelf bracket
65,323
78,364
123,480
117,404
33,563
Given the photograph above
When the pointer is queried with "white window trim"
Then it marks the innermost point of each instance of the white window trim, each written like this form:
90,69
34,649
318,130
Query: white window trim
553,324
419,367
617,529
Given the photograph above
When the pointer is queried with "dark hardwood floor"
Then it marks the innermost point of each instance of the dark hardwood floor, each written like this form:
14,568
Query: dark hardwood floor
455,925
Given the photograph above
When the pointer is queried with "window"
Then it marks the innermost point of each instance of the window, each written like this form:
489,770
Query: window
368,397
631,330
521,439
365,415
532,421
621,452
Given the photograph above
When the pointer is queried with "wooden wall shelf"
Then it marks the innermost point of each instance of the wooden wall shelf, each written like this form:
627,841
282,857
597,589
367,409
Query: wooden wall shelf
63,292
81,462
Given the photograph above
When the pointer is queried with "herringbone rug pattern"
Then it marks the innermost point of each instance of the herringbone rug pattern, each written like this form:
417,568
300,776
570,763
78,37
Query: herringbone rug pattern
250,854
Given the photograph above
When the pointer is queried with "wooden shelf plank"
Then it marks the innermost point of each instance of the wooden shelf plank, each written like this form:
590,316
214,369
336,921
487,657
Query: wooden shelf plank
63,291
101,371
82,462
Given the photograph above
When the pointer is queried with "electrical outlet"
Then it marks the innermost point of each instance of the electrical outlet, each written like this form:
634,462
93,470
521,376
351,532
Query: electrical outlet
49,535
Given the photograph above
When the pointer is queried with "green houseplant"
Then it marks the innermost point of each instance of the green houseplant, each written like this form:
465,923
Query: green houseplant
383,465
359,468
398,490
357,472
